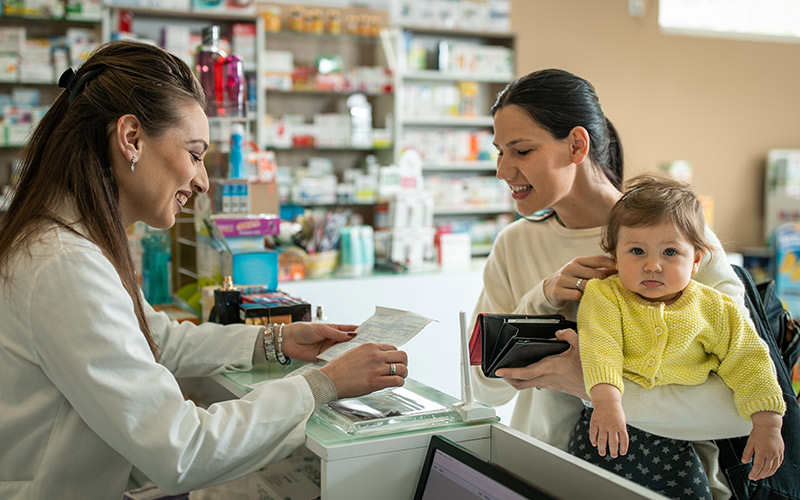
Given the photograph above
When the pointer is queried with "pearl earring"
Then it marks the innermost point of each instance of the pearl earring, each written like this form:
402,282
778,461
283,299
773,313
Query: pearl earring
133,163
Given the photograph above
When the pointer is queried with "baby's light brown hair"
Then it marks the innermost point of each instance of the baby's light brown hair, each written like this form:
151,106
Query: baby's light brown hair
651,199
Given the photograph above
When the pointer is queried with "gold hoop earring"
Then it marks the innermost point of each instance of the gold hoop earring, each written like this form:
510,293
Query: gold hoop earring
133,163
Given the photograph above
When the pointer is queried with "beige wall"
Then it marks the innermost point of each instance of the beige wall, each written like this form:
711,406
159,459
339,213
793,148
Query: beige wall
720,104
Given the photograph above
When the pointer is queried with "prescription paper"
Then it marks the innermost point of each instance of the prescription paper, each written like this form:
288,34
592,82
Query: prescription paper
386,326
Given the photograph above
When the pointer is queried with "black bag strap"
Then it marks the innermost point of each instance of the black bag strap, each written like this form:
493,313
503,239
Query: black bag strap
785,484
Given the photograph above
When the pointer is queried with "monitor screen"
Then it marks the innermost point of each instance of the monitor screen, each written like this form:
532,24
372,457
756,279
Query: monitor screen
452,471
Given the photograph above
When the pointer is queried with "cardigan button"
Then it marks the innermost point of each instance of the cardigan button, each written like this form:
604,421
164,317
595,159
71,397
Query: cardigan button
658,330
651,362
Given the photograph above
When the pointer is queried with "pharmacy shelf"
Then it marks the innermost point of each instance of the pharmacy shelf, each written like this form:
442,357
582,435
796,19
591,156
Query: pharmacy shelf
481,250
16,20
149,22
323,37
187,242
418,71
229,15
301,101
448,121
462,166
231,119
35,27
313,204
27,84
187,272
326,93
485,36
444,76
327,148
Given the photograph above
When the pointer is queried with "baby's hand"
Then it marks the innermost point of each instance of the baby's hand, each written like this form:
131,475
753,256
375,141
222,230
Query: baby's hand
764,446
607,427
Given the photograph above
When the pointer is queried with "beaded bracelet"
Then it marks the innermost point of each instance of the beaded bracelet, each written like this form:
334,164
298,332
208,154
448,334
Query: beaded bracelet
284,360
269,342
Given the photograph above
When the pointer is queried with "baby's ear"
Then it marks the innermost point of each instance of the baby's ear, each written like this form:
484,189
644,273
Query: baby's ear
698,256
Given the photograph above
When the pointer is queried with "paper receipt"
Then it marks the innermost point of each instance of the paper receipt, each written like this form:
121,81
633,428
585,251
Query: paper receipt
386,326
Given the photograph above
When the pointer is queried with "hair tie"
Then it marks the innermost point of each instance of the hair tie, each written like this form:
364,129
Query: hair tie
74,83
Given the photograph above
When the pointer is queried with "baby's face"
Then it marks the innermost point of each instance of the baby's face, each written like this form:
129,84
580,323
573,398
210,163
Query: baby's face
656,261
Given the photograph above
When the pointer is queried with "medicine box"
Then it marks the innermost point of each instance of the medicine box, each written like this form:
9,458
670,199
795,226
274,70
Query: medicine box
243,40
247,225
785,244
9,67
215,258
253,314
238,197
280,306
256,267
12,39
208,5
85,10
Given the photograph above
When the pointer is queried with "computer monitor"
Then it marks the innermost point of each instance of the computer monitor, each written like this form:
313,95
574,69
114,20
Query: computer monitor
451,471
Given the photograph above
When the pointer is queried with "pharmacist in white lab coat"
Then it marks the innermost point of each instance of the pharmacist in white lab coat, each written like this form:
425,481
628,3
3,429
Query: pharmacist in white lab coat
87,368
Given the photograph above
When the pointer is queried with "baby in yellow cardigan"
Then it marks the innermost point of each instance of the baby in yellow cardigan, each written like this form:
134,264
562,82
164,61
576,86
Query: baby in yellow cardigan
653,325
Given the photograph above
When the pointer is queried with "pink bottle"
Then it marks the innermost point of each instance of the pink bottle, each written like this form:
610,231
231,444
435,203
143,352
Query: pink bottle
234,87
209,67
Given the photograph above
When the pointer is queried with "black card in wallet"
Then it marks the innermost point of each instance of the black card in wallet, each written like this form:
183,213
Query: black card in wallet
515,340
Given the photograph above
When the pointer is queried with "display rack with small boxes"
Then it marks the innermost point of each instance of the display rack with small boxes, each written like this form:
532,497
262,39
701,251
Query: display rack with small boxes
464,15
328,100
38,41
449,72
781,189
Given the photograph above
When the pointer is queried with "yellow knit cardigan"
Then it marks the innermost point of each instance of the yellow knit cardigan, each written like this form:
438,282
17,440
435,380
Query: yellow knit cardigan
623,335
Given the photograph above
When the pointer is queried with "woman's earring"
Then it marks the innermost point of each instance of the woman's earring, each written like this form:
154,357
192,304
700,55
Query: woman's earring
133,163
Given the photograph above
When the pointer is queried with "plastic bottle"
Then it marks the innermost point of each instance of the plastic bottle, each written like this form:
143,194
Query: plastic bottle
252,94
156,264
320,317
236,165
350,251
235,85
209,61
345,252
367,248
360,120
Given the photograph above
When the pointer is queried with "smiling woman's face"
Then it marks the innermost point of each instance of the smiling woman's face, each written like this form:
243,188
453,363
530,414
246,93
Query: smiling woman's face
169,169
536,166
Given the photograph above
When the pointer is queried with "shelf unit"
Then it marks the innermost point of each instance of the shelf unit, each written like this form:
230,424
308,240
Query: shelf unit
149,23
35,27
443,95
307,101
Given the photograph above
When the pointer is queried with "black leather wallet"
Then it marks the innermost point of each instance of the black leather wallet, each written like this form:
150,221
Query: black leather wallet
515,340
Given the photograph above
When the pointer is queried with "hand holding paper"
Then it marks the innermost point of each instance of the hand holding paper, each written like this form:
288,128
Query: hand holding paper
386,326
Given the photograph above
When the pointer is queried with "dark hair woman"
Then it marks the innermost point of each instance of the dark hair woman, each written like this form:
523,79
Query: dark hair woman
561,156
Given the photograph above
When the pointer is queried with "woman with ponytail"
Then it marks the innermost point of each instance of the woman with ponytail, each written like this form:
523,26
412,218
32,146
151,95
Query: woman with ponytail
87,367
563,162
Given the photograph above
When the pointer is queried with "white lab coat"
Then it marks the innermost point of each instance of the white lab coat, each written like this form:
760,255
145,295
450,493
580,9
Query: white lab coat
82,398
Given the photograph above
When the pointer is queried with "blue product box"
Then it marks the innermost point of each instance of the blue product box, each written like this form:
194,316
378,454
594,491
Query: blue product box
785,243
256,268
